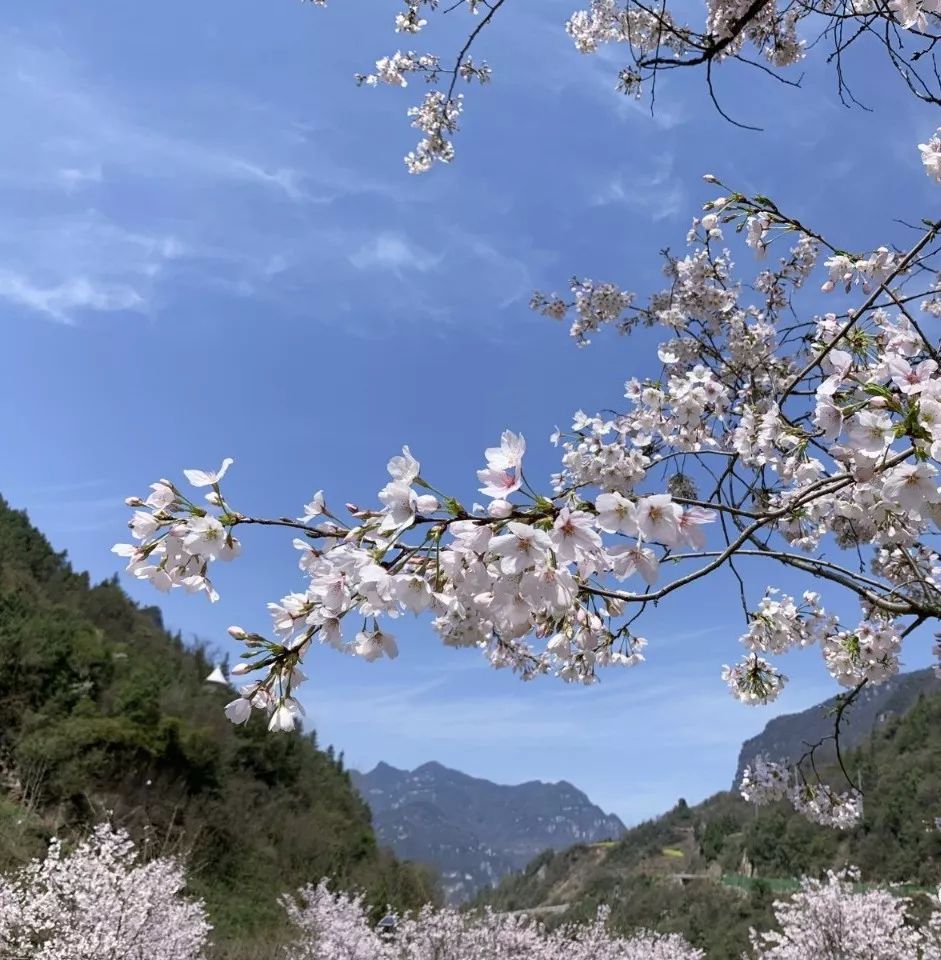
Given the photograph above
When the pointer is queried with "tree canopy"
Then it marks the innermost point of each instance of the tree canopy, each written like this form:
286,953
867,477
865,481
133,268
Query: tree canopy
795,426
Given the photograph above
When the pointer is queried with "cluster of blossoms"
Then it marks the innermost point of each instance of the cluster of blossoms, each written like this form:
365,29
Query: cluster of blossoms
765,781
869,653
177,537
770,30
931,156
830,920
656,39
754,680
331,926
825,920
766,437
650,34
436,117
438,113
918,15
645,31
100,902
778,625
491,577
781,624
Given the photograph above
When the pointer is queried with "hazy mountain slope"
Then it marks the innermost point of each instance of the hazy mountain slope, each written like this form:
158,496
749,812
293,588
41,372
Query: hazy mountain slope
472,830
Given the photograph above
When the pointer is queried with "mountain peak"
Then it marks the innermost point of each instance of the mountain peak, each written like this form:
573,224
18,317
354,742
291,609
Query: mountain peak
383,768
433,767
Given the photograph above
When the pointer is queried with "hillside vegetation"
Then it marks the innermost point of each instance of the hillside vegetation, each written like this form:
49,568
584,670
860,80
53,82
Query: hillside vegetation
103,713
725,859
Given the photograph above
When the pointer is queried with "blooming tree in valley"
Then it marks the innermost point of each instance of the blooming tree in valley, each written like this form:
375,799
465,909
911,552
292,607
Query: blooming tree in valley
331,925
334,926
777,433
827,920
100,902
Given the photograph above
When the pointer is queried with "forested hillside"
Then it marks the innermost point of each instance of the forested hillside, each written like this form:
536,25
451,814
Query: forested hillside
103,712
725,858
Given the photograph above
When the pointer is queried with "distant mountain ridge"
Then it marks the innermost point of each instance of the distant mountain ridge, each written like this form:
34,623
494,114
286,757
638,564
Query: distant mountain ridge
786,737
472,830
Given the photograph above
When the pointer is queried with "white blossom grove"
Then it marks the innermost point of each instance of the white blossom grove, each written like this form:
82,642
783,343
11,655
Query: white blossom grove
100,901
334,926
828,920
825,920
795,423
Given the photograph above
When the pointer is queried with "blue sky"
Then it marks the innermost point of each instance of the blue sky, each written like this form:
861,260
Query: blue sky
212,248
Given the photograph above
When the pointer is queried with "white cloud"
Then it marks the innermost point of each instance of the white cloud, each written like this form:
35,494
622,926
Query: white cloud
60,267
60,127
284,178
510,277
112,196
61,134
657,193
74,177
61,301
395,252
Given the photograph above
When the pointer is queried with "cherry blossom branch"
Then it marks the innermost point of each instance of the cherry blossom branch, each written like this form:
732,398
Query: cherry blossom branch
463,52
900,268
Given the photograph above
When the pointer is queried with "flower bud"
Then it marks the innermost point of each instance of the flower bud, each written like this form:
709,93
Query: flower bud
499,509
214,499
710,178
240,669
134,502
426,503
237,633
709,221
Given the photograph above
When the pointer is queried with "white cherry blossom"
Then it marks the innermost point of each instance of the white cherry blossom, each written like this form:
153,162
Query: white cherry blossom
206,478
